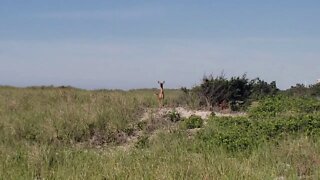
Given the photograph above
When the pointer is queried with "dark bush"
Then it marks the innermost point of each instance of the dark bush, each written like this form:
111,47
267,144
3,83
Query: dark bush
234,93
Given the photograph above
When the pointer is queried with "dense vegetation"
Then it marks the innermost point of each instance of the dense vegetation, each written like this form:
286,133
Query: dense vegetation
67,133
235,93
273,119
303,90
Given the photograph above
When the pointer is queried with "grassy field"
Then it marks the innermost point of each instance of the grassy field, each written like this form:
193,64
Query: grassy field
66,133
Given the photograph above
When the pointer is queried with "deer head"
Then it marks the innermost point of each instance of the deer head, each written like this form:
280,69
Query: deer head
161,83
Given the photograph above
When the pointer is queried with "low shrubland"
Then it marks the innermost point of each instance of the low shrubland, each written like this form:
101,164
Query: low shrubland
67,133
273,119
302,90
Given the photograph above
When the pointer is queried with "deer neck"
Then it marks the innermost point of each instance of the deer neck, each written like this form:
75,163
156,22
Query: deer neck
161,90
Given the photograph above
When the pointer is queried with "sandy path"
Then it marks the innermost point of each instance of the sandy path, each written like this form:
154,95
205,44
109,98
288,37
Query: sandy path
185,113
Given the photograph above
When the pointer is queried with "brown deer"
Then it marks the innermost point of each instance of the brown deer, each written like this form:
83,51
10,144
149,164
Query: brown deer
160,95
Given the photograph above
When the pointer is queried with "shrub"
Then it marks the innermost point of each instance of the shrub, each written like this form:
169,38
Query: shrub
174,116
235,93
301,90
284,105
193,122
246,133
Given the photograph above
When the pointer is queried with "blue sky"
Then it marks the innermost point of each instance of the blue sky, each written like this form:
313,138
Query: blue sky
132,44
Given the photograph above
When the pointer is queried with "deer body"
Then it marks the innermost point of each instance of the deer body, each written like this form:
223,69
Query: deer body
161,94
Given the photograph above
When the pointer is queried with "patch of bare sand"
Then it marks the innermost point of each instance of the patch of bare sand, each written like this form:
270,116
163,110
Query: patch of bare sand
186,113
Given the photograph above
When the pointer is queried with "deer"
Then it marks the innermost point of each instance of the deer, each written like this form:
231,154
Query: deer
160,95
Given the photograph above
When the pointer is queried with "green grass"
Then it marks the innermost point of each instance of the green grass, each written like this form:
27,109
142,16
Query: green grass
47,133
169,157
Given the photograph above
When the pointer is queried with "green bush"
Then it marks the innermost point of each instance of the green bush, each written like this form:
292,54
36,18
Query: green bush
301,90
193,122
174,116
284,105
234,134
245,133
235,93
273,118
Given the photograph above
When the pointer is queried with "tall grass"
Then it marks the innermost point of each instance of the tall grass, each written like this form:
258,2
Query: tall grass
68,115
170,156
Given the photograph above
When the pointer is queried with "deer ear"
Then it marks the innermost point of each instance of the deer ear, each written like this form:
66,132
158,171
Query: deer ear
158,82
163,82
